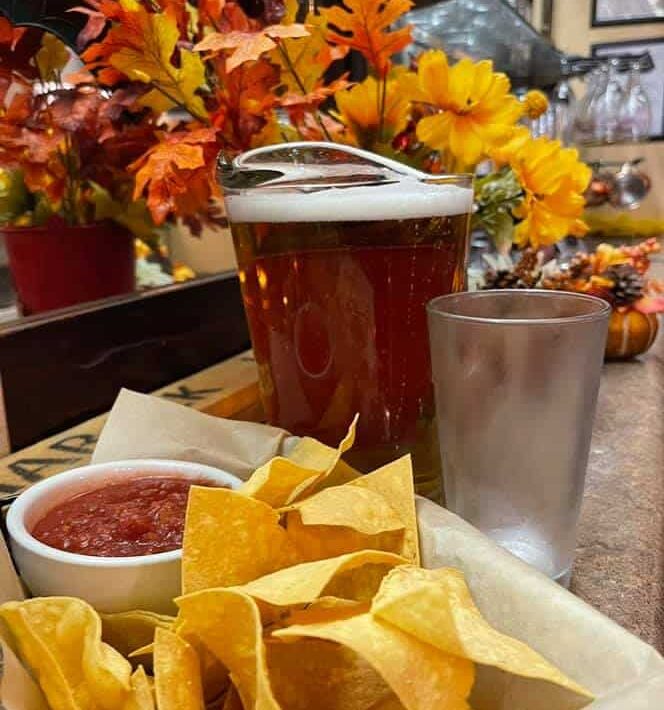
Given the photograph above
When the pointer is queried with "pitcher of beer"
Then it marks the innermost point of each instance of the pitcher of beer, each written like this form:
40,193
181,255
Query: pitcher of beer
339,250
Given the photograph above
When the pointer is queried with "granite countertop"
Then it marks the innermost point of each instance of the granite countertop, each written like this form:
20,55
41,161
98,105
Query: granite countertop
619,566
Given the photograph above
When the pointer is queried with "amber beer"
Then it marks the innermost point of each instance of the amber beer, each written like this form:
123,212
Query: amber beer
335,284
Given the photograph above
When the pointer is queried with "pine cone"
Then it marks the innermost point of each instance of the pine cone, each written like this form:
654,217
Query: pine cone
628,284
503,278
558,281
527,269
580,265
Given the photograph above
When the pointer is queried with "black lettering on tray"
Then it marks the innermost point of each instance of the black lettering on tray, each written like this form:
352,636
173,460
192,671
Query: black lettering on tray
77,444
185,395
31,469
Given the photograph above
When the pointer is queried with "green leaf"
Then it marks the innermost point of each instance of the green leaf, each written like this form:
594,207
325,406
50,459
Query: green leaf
14,196
43,210
496,195
135,216
496,190
499,225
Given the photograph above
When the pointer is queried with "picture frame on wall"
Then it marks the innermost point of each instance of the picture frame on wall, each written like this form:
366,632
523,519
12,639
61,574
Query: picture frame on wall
605,13
652,81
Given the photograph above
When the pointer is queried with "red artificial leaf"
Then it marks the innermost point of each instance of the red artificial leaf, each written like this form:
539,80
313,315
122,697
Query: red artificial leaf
9,34
177,173
99,12
6,31
76,109
248,46
123,101
18,51
365,27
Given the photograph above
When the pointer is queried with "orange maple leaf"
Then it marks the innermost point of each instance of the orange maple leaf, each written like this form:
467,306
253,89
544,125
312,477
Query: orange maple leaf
365,24
140,45
248,46
299,104
209,11
177,173
244,103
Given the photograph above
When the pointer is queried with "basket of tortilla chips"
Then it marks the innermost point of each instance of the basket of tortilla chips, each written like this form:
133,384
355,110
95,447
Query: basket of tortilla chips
332,594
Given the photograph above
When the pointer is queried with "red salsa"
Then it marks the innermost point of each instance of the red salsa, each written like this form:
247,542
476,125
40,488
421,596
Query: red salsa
141,516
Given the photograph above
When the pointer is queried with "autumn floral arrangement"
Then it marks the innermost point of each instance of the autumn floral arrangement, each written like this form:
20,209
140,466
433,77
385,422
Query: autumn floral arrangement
66,146
228,80
619,275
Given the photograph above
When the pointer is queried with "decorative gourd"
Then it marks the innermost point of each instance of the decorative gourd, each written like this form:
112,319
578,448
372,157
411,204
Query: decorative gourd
630,333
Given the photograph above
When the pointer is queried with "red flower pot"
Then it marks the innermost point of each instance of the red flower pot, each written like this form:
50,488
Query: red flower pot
57,265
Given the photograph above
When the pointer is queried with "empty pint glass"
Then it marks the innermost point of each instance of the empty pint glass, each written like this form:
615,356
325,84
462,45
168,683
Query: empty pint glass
516,375
339,250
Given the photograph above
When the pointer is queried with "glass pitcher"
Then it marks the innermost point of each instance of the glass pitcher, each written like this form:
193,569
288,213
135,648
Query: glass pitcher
338,251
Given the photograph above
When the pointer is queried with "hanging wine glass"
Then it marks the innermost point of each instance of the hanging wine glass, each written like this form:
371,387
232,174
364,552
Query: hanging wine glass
635,114
607,106
563,105
584,125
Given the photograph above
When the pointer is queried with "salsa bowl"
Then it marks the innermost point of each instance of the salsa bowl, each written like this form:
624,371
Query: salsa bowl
110,584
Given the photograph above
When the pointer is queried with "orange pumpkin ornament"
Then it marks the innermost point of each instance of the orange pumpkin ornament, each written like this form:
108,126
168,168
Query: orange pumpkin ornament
630,333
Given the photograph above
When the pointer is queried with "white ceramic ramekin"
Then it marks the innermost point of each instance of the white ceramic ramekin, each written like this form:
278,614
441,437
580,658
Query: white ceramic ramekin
110,584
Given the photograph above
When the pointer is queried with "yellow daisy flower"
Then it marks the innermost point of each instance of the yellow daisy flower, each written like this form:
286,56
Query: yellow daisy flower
553,180
502,152
535,103
359,109
475,107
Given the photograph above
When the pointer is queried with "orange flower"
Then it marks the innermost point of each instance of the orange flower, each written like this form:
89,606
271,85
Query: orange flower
475,107
360,109
503,152
553,180
535,103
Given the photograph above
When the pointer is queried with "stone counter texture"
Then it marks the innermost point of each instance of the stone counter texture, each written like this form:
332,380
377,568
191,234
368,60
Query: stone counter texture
619,566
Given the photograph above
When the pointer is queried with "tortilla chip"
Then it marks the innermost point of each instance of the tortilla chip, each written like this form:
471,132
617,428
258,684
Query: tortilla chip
177,679
394,482
421,676
323,610
320,542
232,700
59,639
342,679
214,676
230,539
129,631
436,606
348,506
356,576
341,474
142,697
283,479
228,622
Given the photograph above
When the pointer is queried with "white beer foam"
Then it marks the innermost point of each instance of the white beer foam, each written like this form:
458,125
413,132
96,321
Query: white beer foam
406,199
